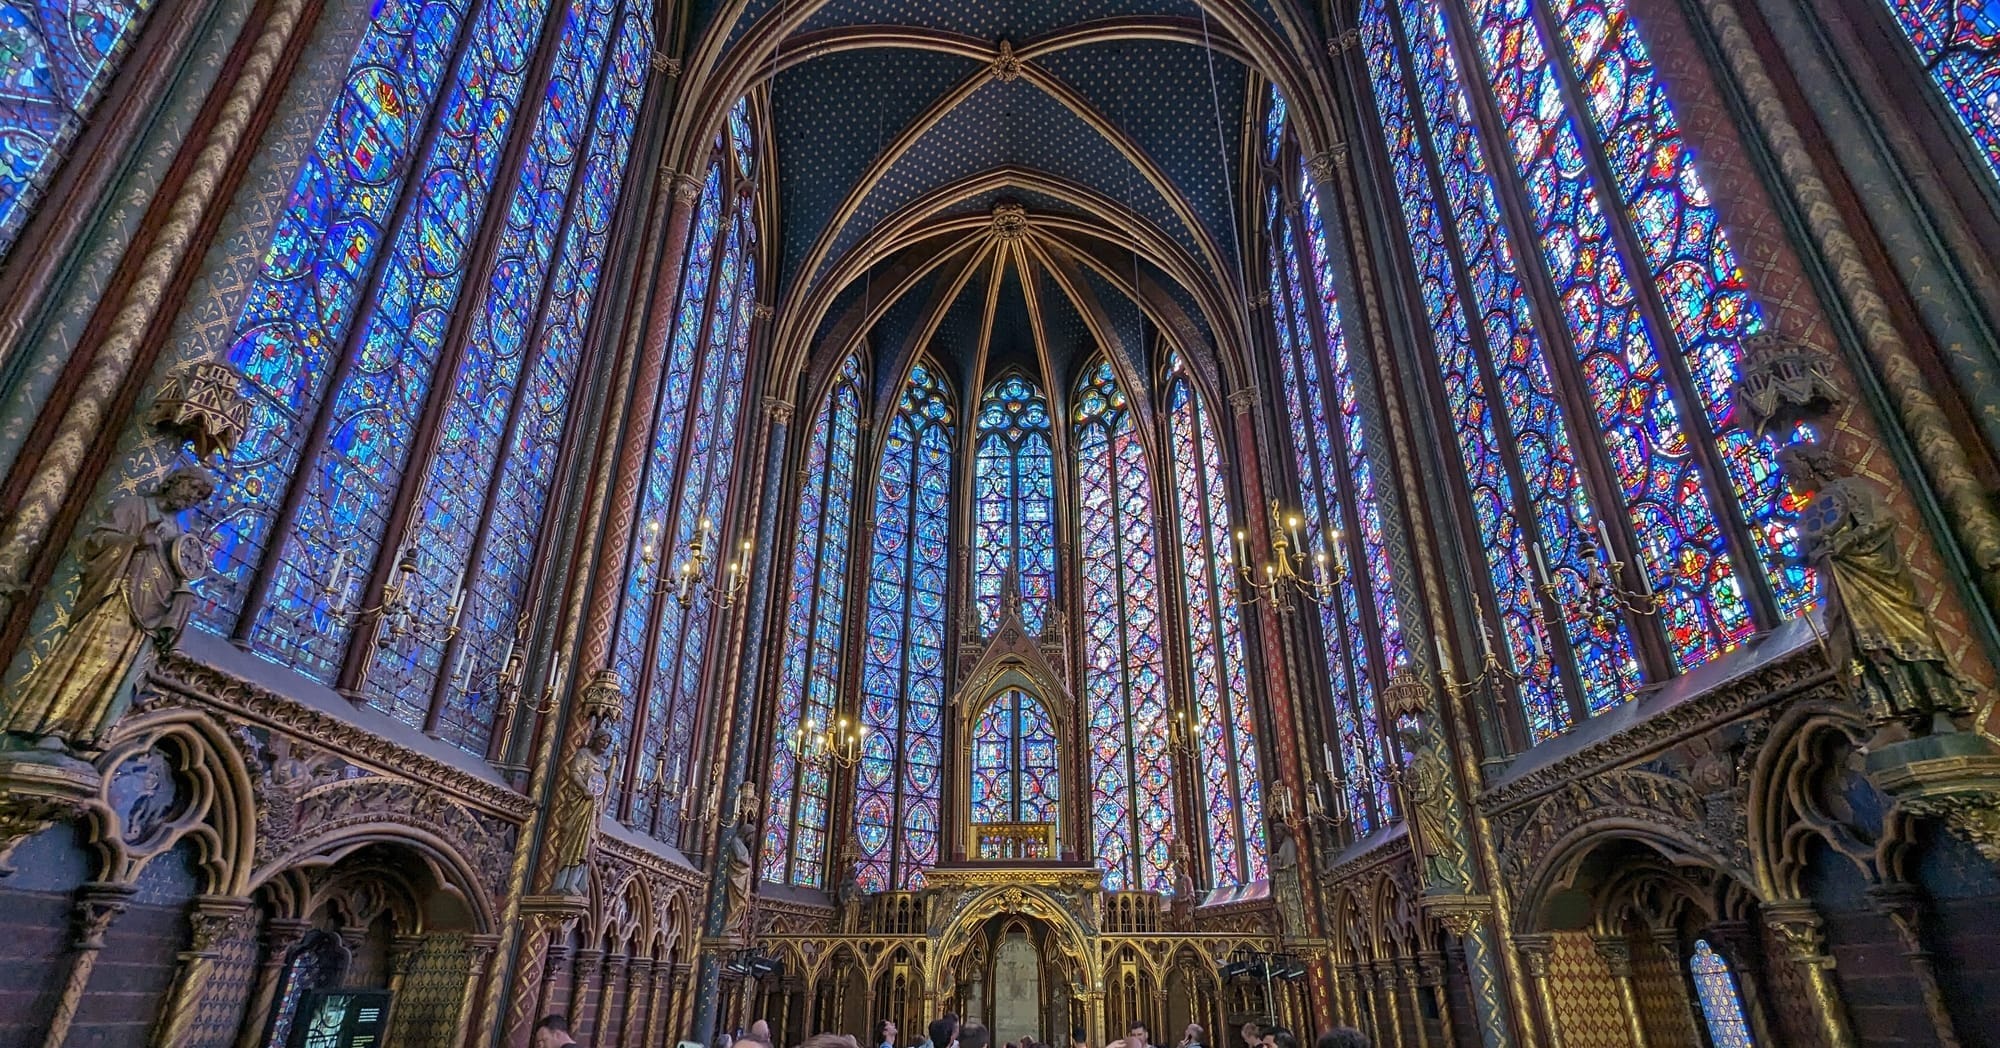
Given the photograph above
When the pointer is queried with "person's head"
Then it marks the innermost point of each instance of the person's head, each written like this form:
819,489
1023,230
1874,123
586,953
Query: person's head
1343,1037
747,1042
1252,1033
1279,1037
944,1030
760,1031
185,488
829,1040
973,1035
1191,1035
885,1032
553,1030
1137,1035
1076,1037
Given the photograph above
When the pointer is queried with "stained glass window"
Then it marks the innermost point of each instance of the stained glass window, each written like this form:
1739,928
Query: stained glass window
1014,761
795,827
1336,488
1958,43
1606,428
663,640
1224,728
404,349
1125,702
1515,446
56,57
902,664
1721,1008
1014,490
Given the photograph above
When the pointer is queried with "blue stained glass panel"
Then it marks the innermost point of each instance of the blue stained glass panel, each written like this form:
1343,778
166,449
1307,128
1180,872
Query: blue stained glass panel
809,668
56,58
1225,726
1958,43
1014,492
902,662
1721,1007
1130,771
350,483
300,302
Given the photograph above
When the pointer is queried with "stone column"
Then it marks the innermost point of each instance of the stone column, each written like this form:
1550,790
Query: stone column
1385,997
610,972
478,962
1535,952
281,935
209,918
1431,976
402,950
588,963
1903,904
1798,926
97,905
1617,954
558,956
638,988
1406,982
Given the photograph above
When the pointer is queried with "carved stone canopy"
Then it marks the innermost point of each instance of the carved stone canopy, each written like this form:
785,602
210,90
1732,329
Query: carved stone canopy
1783,383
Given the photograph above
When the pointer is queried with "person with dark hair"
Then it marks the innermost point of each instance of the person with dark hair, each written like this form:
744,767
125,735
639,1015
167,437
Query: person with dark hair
553,1032
885,1033
1076,1039
1343,1037
1138,1035
944,1031
1280,1037
973,1035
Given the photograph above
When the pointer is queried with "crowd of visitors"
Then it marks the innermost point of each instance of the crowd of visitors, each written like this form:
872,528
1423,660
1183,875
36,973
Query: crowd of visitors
948,1032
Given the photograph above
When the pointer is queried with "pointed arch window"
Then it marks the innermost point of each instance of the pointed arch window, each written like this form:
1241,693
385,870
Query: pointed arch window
1958,44
1721,1006
1336,479
1014,770
1125,699
795,828
409,343
902,665
661,650
1014,488
1225,729
1610,427
61,55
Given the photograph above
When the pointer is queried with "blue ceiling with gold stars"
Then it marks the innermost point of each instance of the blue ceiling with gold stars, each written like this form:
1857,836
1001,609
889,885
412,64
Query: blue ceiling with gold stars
1109,123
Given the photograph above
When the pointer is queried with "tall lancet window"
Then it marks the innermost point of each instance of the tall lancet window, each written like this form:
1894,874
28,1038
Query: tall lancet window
1014,488
662,641
795,826
1605,433
1336,475
410,341
902,666
1014,769
1958,44
1721,1007
60,55
1225,728
1125,696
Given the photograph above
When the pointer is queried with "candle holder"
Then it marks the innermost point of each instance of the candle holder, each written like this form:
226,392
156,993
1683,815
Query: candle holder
838,742
692,580
1288,571
1492,671
1605,592
395,615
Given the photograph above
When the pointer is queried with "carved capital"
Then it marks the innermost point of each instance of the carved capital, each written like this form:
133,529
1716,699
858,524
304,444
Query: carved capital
778,410
666,64
97,905
37,791
1343,43
1241,401
1948,778
1535,951
762,312
687,189
1320,167
209,919
1617,954
1797,926
1459,914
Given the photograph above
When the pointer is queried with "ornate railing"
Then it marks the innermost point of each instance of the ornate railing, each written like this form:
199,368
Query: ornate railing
1000,841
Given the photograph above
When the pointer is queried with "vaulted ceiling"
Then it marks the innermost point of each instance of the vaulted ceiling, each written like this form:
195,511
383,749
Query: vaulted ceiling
1005,182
